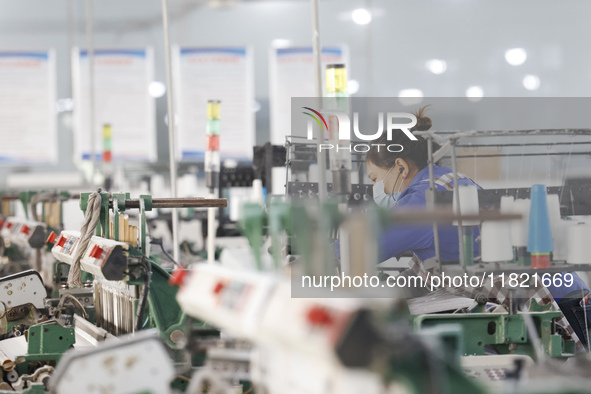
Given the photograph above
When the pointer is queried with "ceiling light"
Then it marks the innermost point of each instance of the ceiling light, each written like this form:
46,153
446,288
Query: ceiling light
474,93
436,66
516,56
531,82
361,16
156,89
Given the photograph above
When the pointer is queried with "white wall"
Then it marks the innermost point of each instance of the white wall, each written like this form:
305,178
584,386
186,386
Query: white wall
386,56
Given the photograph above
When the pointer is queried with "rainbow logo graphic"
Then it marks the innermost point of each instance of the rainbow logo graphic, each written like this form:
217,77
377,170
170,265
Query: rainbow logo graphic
315,118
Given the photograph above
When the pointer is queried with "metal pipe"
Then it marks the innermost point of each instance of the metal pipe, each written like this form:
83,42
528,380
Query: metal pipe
211,233
447,216
431,205
317,58
180,203
71,39
456,195
524,155
171,128
493,145
508,133
91,109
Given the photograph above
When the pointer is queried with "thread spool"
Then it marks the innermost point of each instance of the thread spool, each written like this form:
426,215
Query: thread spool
520,227
468,195
507,203
279,175
579,244
496,242
554,214
313,175
257,192
540,242
561,239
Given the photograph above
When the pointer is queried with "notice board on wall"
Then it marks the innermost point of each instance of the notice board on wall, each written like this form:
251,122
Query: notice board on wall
121,99
28,127
214,73
291,74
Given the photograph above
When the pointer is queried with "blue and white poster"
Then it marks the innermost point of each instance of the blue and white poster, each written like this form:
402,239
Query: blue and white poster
121,99
214,73
291,74
28,128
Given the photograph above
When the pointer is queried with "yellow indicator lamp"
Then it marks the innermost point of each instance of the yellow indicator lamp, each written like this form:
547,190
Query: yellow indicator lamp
213,109
336,79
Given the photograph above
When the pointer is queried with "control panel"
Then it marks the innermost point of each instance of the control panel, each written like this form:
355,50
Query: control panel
103,258
306,190
24,232
65,245
227,299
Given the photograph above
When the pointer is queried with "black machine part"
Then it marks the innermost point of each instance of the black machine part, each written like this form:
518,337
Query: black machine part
37,237
115,264
574,196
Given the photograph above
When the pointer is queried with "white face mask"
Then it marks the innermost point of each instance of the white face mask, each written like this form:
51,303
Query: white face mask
380,197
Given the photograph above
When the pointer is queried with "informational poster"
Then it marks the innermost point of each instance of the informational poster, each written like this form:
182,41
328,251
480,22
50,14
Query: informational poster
220,73
291,74
121,99
28,127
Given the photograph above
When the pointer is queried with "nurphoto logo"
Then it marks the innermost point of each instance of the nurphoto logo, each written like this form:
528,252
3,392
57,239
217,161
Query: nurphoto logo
342,124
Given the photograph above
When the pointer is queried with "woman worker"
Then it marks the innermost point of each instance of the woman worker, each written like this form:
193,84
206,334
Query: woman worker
400,181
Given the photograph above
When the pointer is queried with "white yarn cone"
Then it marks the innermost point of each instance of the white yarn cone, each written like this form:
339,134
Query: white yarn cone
554,214
496,242
507,204
579,244
520,227
561,239
468,195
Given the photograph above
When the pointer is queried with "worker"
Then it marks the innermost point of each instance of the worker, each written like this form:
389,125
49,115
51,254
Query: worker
400,181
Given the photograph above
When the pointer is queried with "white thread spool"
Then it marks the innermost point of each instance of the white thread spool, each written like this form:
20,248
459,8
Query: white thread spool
313,175
520,227
579,244
496,242
279,176
468,195
561,239
257,192
507,204
554,214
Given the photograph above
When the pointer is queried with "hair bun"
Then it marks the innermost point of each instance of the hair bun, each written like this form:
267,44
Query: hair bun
423,122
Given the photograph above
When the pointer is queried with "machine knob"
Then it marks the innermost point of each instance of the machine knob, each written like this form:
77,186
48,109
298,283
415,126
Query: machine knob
319,316
177,278
51,238
218,288
61,241
96,252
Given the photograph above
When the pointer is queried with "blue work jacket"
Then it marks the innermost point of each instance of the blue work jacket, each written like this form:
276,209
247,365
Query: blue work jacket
419,238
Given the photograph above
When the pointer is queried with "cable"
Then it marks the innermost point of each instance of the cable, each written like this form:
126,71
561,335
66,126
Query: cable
158,241
36,199
91,219
146,288
584,299
74,301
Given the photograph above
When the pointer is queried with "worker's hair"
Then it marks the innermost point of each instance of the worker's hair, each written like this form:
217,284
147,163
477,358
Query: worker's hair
413,151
